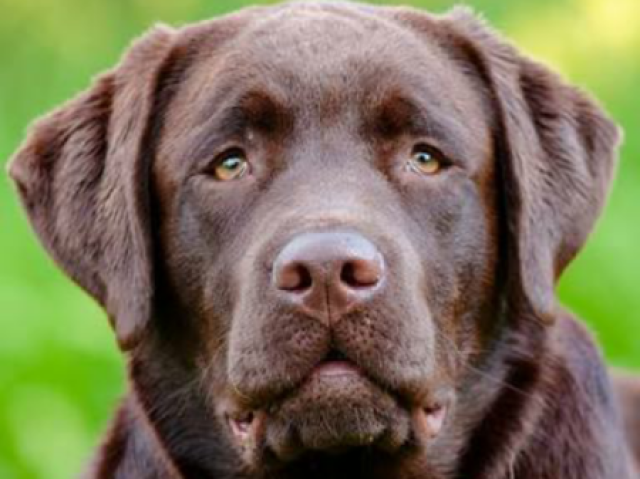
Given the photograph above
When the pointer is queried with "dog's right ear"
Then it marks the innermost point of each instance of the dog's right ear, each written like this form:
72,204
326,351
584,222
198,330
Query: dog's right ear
82,175
557,150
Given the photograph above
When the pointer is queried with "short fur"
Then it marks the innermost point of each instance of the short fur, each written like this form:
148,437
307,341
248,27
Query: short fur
328,101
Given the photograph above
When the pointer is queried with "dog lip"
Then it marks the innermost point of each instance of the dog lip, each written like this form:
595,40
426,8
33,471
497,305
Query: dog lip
336,368
241,424
247,430
430,421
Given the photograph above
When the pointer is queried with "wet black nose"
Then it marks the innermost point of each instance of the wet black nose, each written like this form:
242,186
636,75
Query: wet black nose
328,273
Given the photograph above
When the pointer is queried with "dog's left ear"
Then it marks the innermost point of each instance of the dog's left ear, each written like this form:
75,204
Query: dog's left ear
82,175
556,150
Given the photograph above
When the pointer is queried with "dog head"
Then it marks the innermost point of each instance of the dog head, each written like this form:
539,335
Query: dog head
308,222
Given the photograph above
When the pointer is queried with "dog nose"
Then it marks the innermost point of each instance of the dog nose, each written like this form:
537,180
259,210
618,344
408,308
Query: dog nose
328,273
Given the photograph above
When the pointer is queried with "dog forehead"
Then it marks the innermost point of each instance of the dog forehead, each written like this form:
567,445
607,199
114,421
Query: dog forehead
309,53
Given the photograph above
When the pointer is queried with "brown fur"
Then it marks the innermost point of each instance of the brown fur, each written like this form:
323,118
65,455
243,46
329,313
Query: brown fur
328,100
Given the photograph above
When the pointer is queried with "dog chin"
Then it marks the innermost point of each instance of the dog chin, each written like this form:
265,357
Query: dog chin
335,410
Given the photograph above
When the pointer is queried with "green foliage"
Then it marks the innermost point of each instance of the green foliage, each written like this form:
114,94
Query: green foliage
60,374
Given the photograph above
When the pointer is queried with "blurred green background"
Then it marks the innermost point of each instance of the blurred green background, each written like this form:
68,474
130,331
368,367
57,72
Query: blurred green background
60,373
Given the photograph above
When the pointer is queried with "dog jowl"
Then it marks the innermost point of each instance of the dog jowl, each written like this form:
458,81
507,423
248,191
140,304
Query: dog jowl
327,237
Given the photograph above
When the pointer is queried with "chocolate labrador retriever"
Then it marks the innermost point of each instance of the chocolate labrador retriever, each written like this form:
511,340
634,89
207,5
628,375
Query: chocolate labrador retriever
327,237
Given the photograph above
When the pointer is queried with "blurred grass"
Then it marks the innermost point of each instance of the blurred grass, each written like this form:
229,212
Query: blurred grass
60,373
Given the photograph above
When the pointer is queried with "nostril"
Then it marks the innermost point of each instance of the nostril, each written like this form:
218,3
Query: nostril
294,277
318,269
361,273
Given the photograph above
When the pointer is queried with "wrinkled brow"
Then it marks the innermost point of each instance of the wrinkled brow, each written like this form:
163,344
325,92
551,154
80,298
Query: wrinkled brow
398,114
233,118
252,110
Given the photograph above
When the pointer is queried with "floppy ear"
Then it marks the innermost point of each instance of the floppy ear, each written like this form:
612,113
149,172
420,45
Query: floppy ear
82,178
557,151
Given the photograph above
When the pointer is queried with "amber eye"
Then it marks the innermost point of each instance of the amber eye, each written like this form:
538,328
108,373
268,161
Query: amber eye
426,160
231,165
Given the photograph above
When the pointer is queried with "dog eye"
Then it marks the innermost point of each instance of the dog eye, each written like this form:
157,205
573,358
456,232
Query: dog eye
427,160
230,165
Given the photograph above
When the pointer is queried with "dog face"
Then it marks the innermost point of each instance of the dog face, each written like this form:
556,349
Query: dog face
307,223
330,228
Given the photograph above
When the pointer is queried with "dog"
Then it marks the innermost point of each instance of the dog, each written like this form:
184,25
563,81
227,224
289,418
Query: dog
327,237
